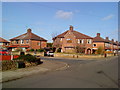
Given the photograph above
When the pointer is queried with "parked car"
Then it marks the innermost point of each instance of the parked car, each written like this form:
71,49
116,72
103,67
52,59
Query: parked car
4,52
49,53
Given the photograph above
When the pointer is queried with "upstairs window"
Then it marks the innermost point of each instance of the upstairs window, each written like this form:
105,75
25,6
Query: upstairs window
69,40
94,45
27,41
12,42
80,41
22,41
89,41
1,43
6,44
17,42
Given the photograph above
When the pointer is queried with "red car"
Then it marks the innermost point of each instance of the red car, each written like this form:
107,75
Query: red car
4,52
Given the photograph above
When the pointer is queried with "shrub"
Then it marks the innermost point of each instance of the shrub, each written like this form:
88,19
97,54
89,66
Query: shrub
100,50
30,58
58,50
8,64
40,50
49,44
31,50
27,57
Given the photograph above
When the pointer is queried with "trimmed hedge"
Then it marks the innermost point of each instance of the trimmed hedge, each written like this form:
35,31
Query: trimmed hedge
30,58
7,65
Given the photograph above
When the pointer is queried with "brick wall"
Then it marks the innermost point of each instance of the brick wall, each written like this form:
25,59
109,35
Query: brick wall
99,44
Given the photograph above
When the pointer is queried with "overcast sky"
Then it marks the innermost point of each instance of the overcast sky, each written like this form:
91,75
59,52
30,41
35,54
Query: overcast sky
47,19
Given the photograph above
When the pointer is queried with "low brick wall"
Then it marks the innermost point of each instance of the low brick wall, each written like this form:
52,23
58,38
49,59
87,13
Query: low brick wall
8,57
80,56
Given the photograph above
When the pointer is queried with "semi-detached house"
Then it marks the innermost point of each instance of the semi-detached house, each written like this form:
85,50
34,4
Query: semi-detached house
3,43
28,40
71,40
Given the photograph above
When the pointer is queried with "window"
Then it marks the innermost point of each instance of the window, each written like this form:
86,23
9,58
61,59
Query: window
61,39
17,42
22,41
107,44
38,43
94,45
12,42
1,43
69,40
81,41
27,41
6,44
89,41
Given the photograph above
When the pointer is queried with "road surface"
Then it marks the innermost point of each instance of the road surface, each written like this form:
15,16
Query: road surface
79,74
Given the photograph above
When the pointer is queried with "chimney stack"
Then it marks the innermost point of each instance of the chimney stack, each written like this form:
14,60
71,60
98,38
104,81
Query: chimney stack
116,41
112,40
107,38
98,34
71,28
29,30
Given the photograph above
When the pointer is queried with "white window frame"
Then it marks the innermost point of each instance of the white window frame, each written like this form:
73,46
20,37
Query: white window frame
89,40
60,39
27,41
1,43
22,41
82,41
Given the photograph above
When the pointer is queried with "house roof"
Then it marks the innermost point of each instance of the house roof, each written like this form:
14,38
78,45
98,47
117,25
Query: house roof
80,35
77,34
98,38
29,35
3,40
106,40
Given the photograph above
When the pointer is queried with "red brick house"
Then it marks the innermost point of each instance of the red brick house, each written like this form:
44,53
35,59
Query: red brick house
3,43
98,42
28,40
106,44
71,40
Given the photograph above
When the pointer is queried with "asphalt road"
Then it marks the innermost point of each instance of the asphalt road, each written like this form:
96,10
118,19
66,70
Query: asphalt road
80,74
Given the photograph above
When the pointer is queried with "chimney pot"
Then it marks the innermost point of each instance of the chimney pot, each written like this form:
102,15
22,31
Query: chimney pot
29,30
98,34
107,38
113,40
71,27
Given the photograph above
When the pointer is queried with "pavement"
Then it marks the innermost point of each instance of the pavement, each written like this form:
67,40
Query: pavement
45,67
